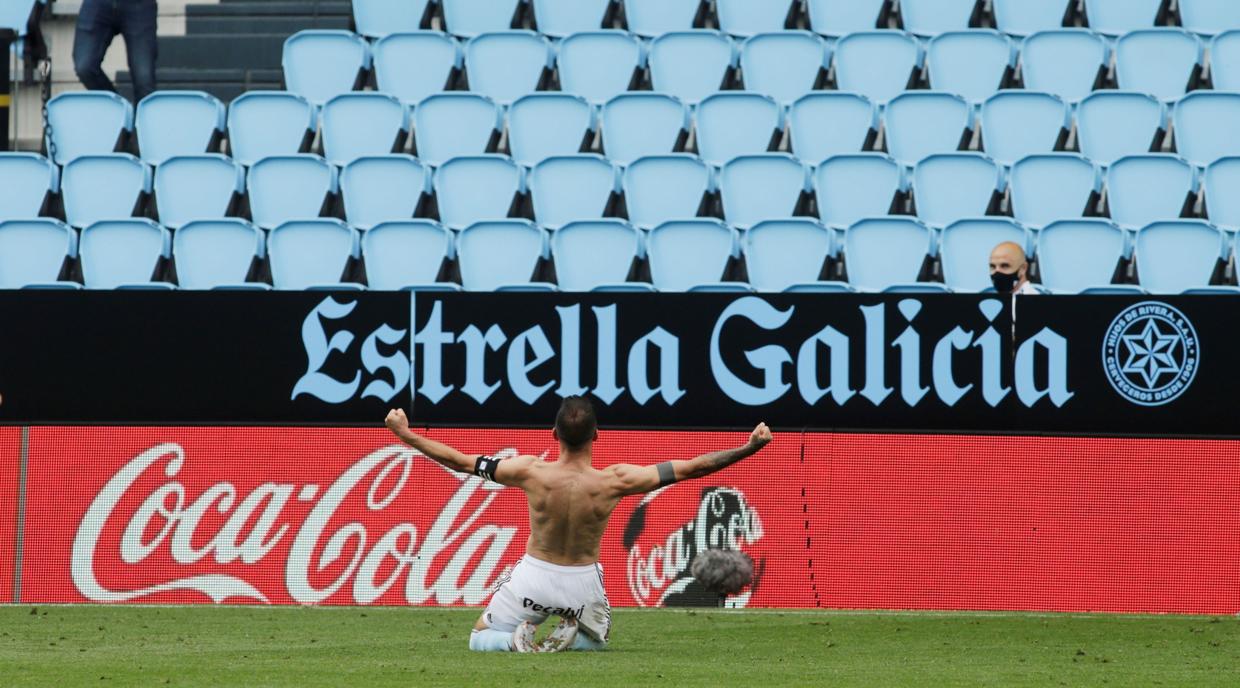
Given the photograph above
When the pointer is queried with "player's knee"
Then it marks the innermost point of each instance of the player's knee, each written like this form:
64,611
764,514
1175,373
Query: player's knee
490,640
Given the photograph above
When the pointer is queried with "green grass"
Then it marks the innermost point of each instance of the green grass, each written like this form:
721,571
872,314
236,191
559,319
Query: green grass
237,646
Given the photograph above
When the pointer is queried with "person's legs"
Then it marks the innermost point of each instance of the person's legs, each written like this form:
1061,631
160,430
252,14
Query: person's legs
94,34
138,24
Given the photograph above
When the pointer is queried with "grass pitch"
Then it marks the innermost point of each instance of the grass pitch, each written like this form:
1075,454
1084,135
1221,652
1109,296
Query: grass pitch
240,646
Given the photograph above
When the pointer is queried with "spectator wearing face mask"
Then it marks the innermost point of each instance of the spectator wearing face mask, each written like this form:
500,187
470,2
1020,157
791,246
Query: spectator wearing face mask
1009,271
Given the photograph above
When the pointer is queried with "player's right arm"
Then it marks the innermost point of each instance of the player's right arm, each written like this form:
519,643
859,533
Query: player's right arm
438,452
629,479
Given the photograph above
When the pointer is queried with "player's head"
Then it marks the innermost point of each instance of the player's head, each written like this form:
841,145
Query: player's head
575,425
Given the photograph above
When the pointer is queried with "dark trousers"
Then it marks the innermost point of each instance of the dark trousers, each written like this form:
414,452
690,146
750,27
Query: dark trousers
98,23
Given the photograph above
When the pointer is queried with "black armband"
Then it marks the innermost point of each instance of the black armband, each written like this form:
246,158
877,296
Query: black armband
484,467
667,475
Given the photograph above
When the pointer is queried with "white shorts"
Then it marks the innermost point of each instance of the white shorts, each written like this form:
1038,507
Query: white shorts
536,589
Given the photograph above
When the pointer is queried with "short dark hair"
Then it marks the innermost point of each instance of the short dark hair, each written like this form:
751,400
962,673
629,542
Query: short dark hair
575,423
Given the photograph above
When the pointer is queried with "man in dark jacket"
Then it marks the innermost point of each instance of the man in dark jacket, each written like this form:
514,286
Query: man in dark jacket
98,23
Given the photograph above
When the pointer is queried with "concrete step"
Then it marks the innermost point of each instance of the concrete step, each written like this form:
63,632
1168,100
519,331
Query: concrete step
250,51
229,25
250,8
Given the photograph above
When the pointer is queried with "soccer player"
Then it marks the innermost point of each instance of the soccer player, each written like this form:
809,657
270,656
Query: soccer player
570,502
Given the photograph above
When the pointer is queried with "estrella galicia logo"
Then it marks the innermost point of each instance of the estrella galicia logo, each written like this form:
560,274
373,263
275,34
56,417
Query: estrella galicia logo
1150,353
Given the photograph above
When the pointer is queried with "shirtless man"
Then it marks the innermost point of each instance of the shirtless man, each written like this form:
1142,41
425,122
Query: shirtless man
570,502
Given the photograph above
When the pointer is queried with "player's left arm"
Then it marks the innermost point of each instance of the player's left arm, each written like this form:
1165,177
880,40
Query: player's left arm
507,472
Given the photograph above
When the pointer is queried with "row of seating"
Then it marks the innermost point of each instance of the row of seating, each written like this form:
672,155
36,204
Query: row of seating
682,255
16,14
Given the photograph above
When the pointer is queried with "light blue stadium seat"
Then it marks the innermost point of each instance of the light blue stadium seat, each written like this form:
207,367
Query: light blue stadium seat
438,58
852,187
406,254
211,254
1177,255
966,247
784,65
1217,290
600,65
1021,17
650,18
1019,123
877,64
881,252
1209,17
732,123
172,123
34,251
507,65
290,187
383,188
1064,62
15,14
117,253
933,17
766,186
1053,186
821,288
197,187
572,187
1112,124
311,254
104,187
640,124
1225,60
835,18
691,65
448,125
88,123
1114,290
475,188
687,253
541,125
469,18
1222,186
266,123
922,123
854,125
786,252
381,18
320,64
499,253
626,288
357,125
559,18
721,288
528,288
918,288
973,63
659,188
1115,17
1074,255
1148,188
1162,62
746,18
952,186
27,182
1205,126
594,253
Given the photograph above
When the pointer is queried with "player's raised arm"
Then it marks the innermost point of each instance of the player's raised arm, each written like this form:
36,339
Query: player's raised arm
631,479
438,452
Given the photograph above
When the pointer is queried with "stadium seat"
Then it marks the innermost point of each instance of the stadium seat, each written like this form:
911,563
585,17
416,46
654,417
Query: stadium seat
721,288
1067,63
266,123
918,288
381,18
172,123
767,186
104,187
1148,188
1074,255
854,125
469,18
34,251
973,63
1225,61
881,252
659,188
640,124
383,188
1222,186
1205,126
786,252
499,253
856,186
357,125
933,17
197,187
290,187
746,18
1209,17
691,65
784,65
687,253
117,253
27,183
1053,186
438,56
572,187
821,288
922,123
650,18
448,125
594,253
310,254
16,15
952,186
732,123
1177,255
966,248
87,123
1112,124
210,254
541,125
600,65
1020,123
320,64
835,18
507,65
1021,17
1116,17
1114,290
1162,62
405,254
475,188
559,18
877,64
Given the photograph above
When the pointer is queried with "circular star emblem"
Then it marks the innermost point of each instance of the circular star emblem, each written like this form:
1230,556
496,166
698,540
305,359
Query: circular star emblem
1150,353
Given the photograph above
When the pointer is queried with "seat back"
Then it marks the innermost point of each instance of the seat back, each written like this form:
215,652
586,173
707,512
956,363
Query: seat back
172,123
119,252
499,253
1225,60
448,125
854,123
320,64
1209,17
877,64
1053,186
290,187
1020,123
881,252
594,253
1074,255
541,125
640,124
1161,62
475,188
381,18
1021,17
1176,255
688,253
1116,17
782,253
922,123
784,65
87,123
1147,188
508,64
1064,62
1112,124
691,65
357,125
437,55
1222,181
196,187
34,251
216,253
599,65
972,63
310,253
26,180
104,187
856,186
266,123
468,18
966,249
572,187
1205,126
559,18
650,18
405,253
952,186
746,18
382,189
660,188
16,15
762,187
836,18
736,123
933,17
